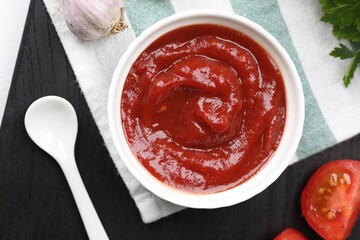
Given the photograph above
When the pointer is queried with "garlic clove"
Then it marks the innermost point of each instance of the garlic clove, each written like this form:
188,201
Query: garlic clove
94,19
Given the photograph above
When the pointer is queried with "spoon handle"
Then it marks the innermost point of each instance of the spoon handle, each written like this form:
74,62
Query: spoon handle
93,226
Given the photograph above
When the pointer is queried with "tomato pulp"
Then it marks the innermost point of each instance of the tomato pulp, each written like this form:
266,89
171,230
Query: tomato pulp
331,199
203,108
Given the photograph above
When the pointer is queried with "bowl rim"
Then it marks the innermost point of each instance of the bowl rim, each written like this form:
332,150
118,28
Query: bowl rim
295,111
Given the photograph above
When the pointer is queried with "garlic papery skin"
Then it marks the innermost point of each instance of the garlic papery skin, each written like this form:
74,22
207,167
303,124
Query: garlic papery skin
94,19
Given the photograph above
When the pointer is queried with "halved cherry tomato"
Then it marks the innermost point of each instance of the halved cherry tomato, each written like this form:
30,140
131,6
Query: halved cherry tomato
330,201
290,234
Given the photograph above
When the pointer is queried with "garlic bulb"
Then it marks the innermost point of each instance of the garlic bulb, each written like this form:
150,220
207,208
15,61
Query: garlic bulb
93,19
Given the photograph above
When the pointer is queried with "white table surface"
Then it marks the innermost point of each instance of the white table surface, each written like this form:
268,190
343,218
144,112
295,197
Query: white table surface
12,20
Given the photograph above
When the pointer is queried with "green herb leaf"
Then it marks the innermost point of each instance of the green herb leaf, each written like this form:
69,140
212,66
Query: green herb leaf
349,33
344,16
346,13
349,74
343,52
327,4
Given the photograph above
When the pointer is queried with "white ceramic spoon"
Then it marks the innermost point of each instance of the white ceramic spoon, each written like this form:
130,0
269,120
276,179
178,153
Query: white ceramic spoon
52,124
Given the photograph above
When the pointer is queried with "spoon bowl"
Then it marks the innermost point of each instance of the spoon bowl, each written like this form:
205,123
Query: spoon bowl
52,124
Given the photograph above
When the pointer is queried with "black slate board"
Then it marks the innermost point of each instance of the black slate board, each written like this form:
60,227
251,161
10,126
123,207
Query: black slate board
36,202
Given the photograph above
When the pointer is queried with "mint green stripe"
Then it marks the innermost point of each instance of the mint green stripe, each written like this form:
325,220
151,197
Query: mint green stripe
144,13
317,135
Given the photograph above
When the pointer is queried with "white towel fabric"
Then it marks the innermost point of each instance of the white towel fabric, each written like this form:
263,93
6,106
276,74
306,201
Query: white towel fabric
332,112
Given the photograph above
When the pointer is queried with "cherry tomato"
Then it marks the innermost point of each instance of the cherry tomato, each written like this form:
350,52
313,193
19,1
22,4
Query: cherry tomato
330,201
290,234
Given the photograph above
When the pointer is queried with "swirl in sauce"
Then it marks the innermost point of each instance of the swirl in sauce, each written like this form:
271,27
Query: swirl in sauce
203,108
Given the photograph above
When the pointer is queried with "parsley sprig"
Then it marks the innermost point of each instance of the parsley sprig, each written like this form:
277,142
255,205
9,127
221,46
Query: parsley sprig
344,16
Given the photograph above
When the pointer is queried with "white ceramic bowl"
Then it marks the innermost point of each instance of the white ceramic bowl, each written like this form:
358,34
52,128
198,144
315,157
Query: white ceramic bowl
294,111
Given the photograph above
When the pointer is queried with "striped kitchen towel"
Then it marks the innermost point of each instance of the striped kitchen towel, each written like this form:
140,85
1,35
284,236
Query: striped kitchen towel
332,112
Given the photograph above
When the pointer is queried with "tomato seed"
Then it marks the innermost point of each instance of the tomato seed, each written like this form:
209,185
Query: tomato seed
321,190
333,180
330,215
347,178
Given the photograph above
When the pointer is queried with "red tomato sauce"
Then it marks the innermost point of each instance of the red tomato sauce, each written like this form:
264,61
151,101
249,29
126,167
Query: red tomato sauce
203,108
